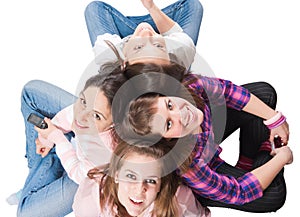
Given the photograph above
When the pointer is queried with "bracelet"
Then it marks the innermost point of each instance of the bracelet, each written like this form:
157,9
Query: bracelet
275,121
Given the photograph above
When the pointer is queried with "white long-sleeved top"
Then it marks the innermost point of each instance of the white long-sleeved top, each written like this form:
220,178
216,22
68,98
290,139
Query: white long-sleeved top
177,43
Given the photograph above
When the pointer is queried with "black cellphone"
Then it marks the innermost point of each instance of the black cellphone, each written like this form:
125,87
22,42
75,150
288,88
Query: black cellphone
37,121
277,142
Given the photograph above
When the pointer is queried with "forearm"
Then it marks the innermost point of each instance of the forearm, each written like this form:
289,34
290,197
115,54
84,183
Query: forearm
257,107
267,172
161,20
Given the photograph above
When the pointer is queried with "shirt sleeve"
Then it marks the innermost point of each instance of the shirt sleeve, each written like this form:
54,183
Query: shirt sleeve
76,169
220,91
209,184
103,53
175,28
87,201
63,119
181,48
188,205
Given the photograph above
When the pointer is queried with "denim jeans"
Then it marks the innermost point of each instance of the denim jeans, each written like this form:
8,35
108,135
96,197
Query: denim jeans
47,191
103,18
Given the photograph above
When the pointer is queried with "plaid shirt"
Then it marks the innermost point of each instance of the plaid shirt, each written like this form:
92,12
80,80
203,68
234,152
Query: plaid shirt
202,176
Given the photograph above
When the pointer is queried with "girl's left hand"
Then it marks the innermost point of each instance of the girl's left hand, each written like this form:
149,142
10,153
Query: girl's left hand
282,131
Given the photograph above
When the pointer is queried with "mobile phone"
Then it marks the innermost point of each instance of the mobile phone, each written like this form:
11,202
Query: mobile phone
37,121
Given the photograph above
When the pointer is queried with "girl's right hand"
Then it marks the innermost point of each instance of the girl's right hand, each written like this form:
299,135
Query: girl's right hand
148,4
285,152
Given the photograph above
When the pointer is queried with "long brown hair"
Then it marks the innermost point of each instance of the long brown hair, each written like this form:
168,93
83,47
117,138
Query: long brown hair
165,204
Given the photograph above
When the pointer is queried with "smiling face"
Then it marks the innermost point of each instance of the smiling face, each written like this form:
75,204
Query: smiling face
175,118
138,187
145,45
92,112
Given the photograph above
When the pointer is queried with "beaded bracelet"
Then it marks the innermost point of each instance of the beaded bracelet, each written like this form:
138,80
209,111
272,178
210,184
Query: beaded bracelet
275,121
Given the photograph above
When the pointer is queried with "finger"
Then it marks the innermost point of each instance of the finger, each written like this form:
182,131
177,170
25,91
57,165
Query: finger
46,151
37,142
39,149
271,138
273,152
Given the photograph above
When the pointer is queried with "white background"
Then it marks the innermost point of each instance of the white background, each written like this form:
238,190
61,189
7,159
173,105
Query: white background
242,41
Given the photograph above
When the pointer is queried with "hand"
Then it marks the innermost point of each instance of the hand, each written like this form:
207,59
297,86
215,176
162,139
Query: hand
282,131
285,152
46,132
148,4
41,149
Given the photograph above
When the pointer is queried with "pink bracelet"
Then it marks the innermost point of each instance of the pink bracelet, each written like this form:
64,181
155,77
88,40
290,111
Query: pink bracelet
275,121
281,120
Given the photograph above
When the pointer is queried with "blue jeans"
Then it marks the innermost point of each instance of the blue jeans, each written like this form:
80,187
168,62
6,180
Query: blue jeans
47,191
102,18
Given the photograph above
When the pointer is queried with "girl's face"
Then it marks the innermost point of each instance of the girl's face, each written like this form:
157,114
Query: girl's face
138,183
92,112
146,45
176,118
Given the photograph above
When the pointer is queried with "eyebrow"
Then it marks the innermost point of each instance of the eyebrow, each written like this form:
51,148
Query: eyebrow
152,177
166,123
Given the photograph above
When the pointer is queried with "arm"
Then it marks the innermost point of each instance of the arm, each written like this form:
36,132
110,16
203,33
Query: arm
161,20
259,108
103,54
267,172
62,120
210,184
77,169
237,97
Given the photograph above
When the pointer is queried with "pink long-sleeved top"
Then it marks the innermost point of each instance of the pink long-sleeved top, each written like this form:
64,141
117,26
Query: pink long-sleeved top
82,154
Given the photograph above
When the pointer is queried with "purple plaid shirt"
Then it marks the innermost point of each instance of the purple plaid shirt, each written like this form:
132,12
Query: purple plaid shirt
202,177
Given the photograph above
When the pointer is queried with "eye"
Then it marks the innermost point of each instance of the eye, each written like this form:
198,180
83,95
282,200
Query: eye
170,105
82,101
169,124
138,47
158,45
131,176
97,116
150,181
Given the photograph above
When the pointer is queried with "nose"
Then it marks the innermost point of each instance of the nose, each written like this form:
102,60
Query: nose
176,115
145,32
83,116
139,187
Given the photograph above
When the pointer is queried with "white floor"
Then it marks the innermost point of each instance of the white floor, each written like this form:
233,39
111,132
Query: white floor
243,41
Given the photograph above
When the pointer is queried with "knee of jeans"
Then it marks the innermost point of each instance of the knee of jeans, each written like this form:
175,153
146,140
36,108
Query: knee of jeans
93,8
196,5
32,86
272,95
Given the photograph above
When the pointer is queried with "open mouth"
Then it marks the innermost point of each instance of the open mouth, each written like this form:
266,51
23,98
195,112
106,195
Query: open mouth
79,125
189,117
136,201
